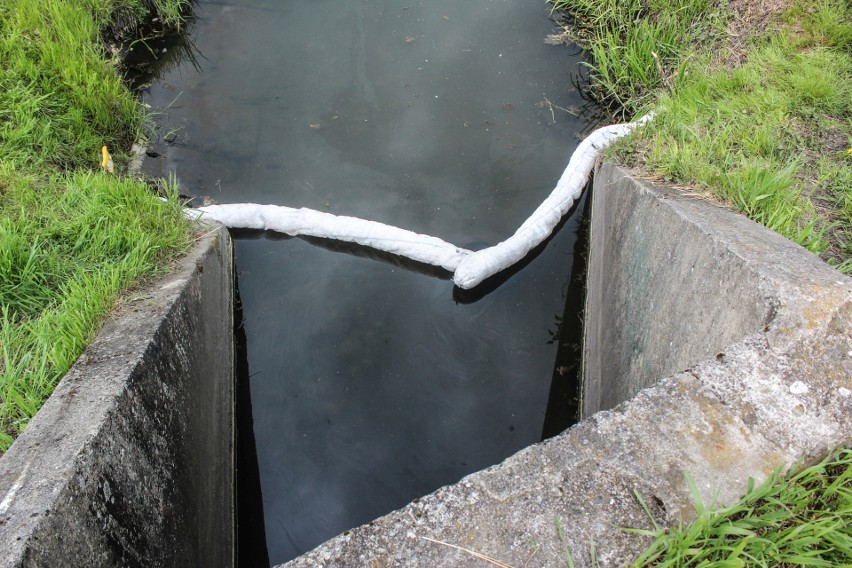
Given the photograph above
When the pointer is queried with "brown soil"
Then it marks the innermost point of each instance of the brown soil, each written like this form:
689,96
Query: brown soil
748,19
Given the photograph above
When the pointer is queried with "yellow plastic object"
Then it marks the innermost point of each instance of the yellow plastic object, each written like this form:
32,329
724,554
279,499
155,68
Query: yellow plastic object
106,160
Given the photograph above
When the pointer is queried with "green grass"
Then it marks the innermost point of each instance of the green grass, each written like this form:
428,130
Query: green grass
637,44
767,134
803,518
128,13
72,238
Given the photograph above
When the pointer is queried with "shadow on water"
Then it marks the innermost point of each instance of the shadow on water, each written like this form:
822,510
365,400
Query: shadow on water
352,249
251,533
150,49
488,286
563,401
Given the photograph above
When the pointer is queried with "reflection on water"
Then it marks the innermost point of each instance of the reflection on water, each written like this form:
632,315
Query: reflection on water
372,386
149,49
372,383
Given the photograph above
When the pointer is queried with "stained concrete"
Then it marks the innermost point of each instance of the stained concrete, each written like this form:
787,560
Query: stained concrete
130,461
732,349
666,287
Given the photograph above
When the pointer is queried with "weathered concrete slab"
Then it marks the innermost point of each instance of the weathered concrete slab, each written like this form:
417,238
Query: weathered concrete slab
674,279
753,334
129,463
666,287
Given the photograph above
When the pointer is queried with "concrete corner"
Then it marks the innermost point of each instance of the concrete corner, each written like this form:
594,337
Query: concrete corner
129,463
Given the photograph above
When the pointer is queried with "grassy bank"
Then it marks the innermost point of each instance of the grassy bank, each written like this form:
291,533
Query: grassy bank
803,518
753,104
72,238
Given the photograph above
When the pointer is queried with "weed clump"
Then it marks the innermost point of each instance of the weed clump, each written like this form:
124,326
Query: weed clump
803,518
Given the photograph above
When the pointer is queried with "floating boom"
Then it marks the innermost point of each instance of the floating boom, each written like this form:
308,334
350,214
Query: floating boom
469,268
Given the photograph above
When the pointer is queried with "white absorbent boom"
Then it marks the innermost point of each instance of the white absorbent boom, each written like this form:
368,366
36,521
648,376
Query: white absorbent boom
469,268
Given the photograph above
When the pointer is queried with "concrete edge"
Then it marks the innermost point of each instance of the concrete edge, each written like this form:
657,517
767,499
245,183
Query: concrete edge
130,461
775,395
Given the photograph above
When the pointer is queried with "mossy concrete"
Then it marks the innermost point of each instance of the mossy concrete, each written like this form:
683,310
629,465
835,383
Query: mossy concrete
719,349
130,461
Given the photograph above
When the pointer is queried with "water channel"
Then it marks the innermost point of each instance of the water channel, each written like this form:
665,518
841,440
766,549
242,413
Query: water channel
368,381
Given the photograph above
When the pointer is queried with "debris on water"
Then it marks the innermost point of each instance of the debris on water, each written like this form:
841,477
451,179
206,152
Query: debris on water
564,37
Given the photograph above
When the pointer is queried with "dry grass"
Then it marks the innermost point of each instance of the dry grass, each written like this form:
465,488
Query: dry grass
749,19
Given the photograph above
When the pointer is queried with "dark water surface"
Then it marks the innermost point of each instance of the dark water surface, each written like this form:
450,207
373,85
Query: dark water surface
370,383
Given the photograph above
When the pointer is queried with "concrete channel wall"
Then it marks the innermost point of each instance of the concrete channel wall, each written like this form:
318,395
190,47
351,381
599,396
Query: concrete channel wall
130,461
719,349
667,286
